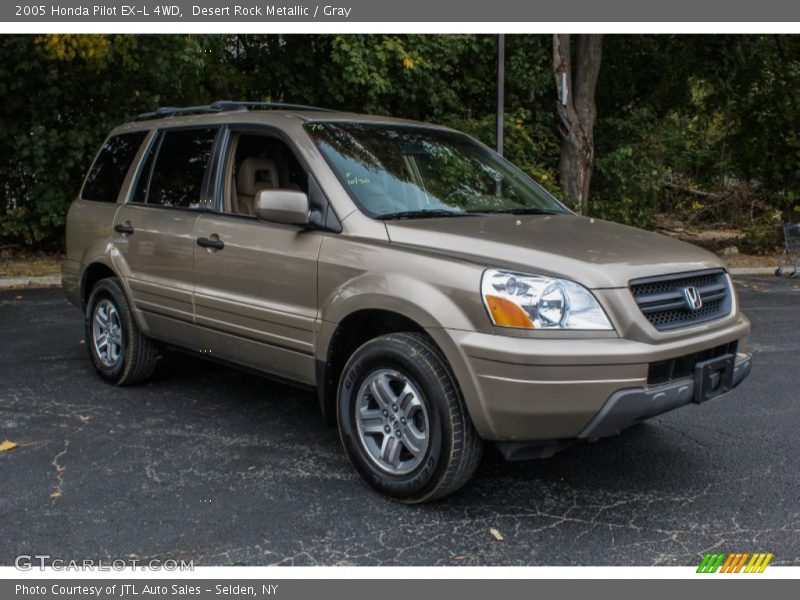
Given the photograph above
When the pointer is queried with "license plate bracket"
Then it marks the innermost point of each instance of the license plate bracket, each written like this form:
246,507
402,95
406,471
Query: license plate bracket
713,377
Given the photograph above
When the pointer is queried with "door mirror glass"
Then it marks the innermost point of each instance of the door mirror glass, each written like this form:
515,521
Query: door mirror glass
288,207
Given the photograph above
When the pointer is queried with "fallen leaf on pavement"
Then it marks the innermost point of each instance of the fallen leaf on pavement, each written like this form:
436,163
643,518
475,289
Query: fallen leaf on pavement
7,445
496,534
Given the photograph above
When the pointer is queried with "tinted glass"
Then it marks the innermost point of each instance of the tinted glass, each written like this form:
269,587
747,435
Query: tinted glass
392,169
177,176
143,179
260,163
111,166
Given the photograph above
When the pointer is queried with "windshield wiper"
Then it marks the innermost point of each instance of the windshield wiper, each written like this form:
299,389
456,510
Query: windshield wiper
422,214
522,210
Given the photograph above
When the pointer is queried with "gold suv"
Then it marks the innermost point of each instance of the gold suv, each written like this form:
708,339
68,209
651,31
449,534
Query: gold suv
431,292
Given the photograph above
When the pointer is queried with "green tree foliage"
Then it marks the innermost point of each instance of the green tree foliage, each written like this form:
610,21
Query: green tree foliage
704,112
697,110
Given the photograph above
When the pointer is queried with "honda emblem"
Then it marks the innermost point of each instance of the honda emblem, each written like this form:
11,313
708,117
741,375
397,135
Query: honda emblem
692,297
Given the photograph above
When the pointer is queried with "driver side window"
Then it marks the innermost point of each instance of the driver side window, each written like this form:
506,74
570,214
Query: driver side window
259,162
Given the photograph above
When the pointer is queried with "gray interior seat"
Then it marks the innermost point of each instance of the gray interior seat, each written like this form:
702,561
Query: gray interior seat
256,173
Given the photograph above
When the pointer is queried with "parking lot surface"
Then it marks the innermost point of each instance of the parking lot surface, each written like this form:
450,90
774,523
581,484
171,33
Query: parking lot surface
211,464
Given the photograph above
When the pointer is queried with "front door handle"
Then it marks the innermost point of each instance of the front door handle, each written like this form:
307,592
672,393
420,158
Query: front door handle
125,228
214,244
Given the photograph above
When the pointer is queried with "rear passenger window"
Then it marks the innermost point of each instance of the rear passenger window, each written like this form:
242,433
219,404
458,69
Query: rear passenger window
104,181
176,178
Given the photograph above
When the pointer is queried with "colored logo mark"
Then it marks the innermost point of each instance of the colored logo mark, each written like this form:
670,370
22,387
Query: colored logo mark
735,562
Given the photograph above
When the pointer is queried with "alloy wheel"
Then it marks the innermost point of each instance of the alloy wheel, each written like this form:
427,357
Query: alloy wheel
392,421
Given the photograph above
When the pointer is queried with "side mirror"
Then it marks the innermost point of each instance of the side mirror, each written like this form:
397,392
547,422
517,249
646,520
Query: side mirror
288,207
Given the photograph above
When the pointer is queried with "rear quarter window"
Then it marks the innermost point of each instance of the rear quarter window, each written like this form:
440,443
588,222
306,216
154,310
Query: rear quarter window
104,181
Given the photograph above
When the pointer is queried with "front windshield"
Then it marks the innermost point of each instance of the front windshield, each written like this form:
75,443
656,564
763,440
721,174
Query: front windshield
401,171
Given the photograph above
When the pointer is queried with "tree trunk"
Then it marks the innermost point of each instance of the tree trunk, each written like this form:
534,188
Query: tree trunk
576,108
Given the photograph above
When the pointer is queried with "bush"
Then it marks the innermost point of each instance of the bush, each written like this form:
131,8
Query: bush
629,170
763,237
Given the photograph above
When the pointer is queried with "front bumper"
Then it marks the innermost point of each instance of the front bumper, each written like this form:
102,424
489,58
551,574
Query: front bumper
628,407
540,389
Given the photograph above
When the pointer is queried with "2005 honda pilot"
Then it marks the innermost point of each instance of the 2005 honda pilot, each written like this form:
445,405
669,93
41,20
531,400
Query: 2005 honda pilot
433,294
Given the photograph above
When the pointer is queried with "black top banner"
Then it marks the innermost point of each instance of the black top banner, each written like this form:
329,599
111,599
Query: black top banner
198,11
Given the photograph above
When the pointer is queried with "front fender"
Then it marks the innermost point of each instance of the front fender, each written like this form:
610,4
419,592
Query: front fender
434,307
424,303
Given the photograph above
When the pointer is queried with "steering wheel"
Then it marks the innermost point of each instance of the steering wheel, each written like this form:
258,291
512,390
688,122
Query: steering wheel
466,192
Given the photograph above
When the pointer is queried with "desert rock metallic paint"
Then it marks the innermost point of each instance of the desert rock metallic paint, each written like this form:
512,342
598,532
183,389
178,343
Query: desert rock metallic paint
517,385
592,252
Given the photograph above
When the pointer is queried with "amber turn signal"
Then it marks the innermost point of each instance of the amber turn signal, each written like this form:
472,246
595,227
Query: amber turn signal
506,313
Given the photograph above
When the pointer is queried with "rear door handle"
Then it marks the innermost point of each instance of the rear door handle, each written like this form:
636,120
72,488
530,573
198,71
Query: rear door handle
215,244
125,228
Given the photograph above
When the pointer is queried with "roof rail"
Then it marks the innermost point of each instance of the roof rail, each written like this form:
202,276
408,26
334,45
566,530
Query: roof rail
247,105
164,112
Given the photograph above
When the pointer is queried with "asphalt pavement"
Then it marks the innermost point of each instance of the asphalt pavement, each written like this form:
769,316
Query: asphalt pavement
211,464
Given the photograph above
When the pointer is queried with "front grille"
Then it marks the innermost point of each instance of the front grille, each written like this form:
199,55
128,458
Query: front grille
664,371
662,299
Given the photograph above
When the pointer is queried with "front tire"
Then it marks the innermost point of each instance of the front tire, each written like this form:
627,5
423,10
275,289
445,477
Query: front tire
120,353
402,421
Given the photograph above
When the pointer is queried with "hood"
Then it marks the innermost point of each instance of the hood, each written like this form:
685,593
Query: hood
592,252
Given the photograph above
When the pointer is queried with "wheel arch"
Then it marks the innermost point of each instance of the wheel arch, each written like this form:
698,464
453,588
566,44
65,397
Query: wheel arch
99,269
344,337
94,272
377,303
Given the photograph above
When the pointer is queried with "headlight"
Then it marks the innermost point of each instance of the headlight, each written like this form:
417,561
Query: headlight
538,302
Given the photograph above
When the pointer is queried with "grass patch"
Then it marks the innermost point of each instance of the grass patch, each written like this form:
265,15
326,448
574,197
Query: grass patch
16,262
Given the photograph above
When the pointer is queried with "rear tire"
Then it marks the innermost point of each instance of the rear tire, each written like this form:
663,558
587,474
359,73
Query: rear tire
120,353
403,422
